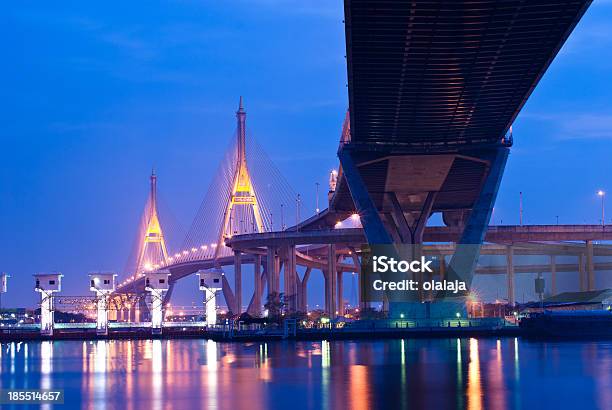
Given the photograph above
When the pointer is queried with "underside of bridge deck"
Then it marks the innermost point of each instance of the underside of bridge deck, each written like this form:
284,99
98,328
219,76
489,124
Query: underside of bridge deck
434,87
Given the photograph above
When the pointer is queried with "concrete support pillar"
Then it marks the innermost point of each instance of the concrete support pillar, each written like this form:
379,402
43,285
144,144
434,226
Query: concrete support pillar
510,274
420,277
277,268
385,303
332,279
290,278
304,291
141,309
430,277
102,313
121,309
340,295
157,310
327,287
131,314
237,282
210,306
257,286
553,275
272,266
360,295
581,275
46,314
589,266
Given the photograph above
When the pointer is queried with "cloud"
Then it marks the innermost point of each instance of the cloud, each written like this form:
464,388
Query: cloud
301,106
575,126
83,128
587,126
317,8
593,32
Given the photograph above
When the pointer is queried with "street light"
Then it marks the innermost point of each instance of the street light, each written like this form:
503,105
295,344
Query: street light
317,197
602,194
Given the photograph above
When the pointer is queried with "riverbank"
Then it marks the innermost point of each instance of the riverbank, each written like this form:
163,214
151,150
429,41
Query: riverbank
364,330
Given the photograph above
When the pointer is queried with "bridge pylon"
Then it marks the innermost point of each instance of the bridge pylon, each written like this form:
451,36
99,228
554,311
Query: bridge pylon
153,251
242,208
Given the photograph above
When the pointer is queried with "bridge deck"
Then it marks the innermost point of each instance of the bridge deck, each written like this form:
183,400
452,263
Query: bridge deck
448,73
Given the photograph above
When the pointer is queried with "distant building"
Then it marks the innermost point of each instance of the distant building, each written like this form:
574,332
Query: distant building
591,300
15,316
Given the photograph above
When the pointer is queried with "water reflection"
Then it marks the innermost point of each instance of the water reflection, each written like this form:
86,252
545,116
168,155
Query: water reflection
459,384
46,366
495,377
359,387
211,367
474,392
157,376
325,374
484,373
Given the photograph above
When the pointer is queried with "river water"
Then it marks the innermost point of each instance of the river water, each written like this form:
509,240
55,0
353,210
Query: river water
424,373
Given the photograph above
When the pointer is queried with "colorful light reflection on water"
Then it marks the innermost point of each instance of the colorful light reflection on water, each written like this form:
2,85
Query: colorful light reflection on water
441,373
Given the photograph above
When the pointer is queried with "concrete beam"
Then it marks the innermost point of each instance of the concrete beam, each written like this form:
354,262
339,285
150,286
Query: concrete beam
494,234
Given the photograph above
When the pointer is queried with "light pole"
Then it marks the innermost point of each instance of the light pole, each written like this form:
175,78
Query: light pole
602,194
282,218
521,208
317,197
298,202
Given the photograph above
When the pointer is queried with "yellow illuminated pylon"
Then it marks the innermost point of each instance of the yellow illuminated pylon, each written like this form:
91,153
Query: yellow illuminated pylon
243,192
153,234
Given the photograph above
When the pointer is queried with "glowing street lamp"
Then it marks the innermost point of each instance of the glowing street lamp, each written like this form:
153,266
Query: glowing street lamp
602,194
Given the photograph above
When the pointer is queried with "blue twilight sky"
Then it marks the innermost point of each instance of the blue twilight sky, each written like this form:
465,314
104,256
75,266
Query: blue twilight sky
94,94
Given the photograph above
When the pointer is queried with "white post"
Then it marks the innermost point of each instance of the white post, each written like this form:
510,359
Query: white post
3,288
157,284
210,283
47,284
102,317
157,314
102,284
46,313
210,306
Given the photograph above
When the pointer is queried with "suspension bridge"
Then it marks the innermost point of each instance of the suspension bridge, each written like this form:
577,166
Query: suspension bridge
428,130
433,92
247,195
